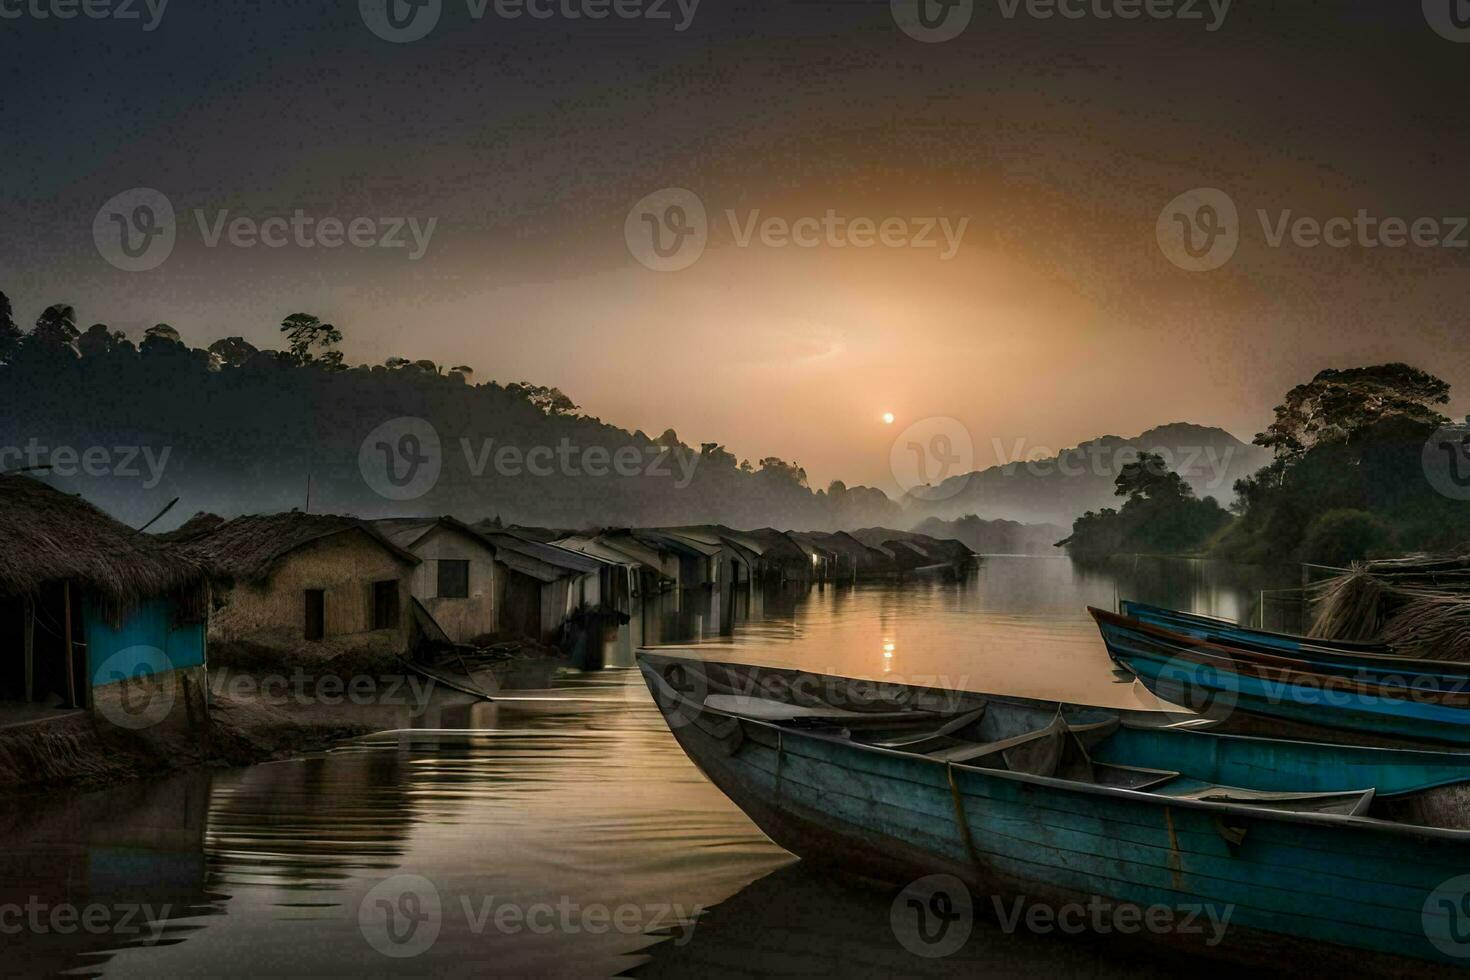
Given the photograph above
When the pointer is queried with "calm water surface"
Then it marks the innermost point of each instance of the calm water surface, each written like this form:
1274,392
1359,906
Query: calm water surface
565,833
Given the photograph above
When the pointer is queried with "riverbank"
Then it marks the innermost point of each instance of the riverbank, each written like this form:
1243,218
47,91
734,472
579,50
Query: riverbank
256,714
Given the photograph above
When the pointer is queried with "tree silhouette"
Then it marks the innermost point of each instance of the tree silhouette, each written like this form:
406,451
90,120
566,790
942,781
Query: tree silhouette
57,326
304,331
1339,404
9,333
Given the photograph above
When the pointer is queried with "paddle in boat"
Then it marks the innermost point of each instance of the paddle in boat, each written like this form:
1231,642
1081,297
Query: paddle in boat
1057,804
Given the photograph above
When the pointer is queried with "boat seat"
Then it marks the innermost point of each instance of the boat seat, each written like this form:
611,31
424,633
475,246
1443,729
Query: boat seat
1346,803
937,738
1131,777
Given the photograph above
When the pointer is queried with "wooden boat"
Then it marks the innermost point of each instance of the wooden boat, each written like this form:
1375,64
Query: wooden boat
1058,804
1368,660
1220,678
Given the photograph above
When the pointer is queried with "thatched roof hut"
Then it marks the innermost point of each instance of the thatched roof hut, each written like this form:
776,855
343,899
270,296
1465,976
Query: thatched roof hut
247,549
47,537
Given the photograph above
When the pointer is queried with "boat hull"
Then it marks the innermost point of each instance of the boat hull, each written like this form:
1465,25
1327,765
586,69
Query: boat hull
1278,881
1220,679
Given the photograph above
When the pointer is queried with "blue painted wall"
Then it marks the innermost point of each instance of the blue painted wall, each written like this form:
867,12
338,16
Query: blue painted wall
147,642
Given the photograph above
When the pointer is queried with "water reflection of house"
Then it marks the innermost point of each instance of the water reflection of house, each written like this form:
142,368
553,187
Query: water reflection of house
457,579
93,612
293,583
139,846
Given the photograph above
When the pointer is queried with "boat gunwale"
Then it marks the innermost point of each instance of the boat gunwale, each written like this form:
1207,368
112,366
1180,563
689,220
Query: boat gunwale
1254,663
1369,824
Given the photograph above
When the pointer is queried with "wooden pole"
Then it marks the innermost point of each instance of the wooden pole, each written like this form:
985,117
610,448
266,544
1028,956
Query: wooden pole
71,671
30,642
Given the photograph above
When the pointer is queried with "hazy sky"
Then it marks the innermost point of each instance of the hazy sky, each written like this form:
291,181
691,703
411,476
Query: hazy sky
1055,144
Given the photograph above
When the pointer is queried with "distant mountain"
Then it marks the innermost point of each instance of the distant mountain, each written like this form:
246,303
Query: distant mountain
1058,489
997,537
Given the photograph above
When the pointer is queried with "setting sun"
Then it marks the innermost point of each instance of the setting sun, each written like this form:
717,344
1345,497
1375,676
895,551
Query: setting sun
887,418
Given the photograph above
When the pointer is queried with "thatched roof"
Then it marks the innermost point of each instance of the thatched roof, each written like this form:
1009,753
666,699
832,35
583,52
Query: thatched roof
247,549
47,536
197,526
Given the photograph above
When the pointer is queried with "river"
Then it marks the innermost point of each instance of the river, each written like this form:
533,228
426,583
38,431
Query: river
563,832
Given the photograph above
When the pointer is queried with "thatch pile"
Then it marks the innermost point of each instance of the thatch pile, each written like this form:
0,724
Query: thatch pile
246,549
48,537
1419,605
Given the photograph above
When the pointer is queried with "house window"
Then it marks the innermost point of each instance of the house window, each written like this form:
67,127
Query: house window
316,614
385,605
454,579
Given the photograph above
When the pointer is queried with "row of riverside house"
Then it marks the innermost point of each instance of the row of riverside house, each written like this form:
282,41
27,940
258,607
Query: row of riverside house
91,603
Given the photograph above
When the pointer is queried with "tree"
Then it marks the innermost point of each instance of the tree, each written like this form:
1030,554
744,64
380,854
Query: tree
9,333
57,326
551,401
1150,478
303,332
1341,404
233,351
99,339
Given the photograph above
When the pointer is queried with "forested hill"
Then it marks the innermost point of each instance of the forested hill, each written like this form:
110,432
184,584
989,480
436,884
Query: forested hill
233,430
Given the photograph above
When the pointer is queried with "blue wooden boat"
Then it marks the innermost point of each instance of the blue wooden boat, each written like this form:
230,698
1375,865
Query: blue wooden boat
1375,661
1057,804
1223,679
